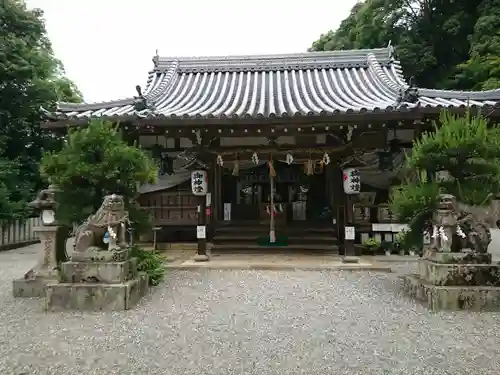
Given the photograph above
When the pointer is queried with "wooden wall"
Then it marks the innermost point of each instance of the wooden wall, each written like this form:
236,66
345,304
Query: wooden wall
176,206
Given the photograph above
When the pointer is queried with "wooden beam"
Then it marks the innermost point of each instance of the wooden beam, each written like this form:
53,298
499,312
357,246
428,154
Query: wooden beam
336,119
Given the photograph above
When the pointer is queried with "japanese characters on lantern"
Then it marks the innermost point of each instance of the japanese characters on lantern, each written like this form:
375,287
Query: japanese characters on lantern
352,181
199,183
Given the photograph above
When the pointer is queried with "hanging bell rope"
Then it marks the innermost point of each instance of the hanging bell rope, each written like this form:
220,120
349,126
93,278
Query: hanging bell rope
272,171
321,166
309,167
236,167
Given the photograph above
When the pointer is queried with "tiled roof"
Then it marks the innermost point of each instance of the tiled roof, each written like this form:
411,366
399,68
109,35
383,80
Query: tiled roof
304,84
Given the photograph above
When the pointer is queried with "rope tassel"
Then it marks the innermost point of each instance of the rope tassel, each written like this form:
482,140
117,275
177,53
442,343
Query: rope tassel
236,168
272,171
309,168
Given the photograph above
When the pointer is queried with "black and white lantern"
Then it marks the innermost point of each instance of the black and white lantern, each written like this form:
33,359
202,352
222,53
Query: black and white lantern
199,182
352,181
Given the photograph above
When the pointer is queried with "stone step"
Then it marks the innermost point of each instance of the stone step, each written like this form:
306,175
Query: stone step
99,272
172,246
245,238
290,249
265,228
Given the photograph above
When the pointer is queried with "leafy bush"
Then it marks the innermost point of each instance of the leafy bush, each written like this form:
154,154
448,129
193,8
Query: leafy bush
372,245
150,263
468,149
96,162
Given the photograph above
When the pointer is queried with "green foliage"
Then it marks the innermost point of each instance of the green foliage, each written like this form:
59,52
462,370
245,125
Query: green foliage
150,263
468,148
30,78
96,162
372,244
451,44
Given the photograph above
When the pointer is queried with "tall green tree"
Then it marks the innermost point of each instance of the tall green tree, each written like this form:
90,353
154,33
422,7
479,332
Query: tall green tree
30,78
441,44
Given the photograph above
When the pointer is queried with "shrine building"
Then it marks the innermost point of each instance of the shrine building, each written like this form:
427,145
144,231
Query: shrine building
277,126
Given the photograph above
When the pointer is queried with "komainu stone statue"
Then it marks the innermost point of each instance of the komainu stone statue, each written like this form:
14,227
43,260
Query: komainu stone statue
96,278
110,218
454,229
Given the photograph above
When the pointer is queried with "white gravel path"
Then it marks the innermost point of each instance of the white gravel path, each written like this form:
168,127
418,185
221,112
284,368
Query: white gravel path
247,322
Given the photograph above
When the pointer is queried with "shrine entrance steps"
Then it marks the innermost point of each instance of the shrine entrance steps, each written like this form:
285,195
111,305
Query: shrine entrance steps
250,238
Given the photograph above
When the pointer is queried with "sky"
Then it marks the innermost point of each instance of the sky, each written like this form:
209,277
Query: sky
106,46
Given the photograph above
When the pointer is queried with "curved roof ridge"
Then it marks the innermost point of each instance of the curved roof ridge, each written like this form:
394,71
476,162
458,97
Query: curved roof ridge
263,62
393,85
457,94
66,106
159,90
397,71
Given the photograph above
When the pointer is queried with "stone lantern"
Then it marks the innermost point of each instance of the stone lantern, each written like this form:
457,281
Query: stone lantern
34,281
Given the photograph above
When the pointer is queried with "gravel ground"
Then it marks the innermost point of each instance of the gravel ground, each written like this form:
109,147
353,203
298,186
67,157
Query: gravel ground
248,322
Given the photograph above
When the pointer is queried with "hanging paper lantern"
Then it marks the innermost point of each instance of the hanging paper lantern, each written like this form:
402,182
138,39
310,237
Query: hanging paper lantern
352,181
326,159
255,158
220,162
289,159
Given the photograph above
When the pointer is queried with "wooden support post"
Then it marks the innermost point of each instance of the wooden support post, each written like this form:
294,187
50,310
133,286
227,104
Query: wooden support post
201,231
349,222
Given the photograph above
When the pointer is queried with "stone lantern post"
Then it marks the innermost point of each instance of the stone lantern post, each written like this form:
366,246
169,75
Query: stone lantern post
34,281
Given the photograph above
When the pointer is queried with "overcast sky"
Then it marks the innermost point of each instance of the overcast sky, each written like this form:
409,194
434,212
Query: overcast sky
107,45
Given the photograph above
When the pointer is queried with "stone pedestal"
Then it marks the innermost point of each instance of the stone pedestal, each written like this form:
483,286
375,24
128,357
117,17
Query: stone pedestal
35,280
456,281
88,282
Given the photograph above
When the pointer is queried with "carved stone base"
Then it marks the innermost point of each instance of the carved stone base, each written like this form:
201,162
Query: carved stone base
474,298
201,258
99,272
23,288
460,258
444,274
111,282
349,259
96,296
96,254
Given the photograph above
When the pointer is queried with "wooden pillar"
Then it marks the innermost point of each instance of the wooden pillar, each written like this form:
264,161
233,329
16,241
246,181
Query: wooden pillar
202,220
349,222
217,195
331,191
339,204
201,228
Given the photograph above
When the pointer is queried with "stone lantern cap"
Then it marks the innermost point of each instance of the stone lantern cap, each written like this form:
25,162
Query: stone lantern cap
45,200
